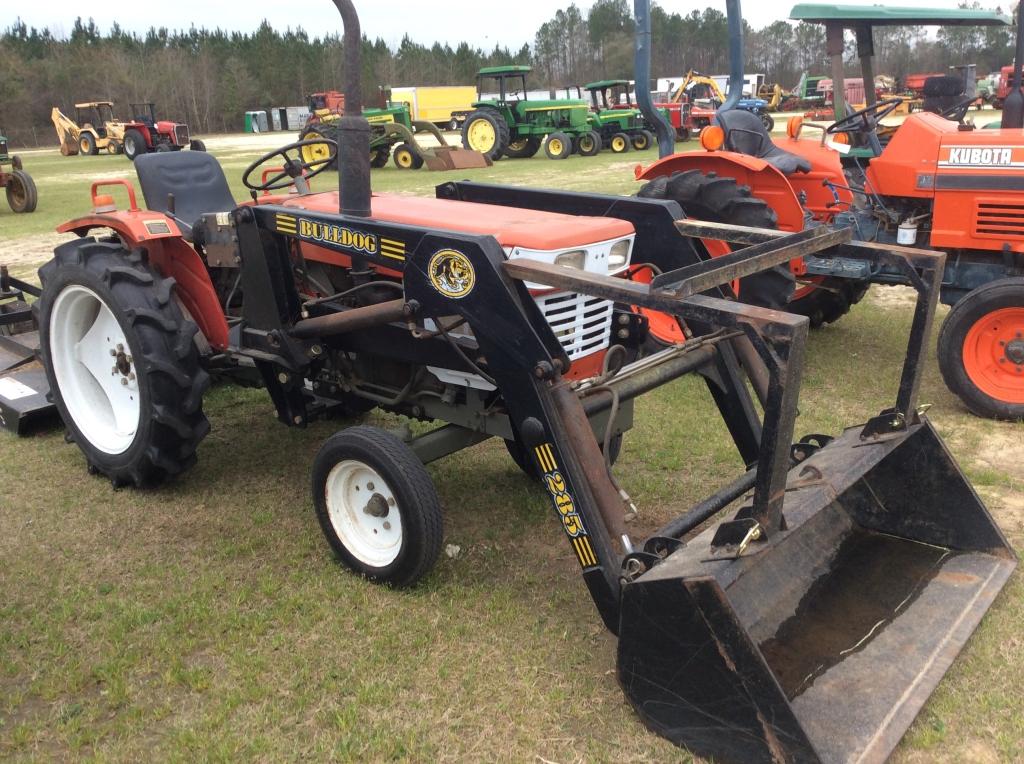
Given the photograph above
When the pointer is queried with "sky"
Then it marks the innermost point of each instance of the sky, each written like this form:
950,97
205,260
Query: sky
426,22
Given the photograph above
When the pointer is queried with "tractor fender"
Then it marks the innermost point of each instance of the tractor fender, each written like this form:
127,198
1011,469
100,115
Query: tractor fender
765,181
172,256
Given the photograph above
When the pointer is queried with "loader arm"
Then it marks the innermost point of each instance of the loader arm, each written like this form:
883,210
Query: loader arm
65,126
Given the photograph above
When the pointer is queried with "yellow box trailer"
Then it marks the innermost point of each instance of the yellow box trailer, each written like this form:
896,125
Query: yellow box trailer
444,105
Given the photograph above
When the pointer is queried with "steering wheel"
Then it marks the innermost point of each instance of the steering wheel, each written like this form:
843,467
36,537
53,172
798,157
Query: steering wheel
958,111
294,167
868,117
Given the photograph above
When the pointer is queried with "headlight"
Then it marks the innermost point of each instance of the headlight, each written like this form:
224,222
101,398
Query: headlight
619,255
575,259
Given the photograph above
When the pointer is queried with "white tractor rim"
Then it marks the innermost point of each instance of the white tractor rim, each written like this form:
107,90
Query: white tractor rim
95,370
364,513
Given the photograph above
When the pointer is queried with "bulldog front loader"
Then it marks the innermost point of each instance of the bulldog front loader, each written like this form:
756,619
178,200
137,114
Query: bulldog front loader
837,577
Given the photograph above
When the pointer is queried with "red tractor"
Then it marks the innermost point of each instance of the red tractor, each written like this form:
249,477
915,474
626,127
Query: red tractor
144,133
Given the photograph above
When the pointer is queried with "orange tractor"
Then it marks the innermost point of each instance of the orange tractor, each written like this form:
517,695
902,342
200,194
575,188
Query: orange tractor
938,182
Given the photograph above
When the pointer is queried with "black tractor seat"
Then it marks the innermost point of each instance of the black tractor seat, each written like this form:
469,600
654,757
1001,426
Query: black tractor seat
746,134
195,179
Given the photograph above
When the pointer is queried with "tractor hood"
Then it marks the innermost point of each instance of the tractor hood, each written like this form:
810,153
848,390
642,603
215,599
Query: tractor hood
511,226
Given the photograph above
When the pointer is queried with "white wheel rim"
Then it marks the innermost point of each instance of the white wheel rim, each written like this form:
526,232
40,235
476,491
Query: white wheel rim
94,369
364,513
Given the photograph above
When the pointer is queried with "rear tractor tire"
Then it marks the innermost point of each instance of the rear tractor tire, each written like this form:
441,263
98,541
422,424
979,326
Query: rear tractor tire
407,158
558,146
828,299
377,506
590,144
981,349
87,144
523,148
722,200
619,143
121,362
196,145
21,192
134,144
487,132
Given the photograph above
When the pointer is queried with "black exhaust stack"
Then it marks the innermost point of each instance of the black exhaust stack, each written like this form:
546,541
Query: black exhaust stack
353,129
735,19
642,75
1013,106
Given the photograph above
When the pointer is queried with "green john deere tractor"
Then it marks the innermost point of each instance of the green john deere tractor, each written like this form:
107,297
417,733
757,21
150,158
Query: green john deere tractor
613,115
513,126
392,128
21,189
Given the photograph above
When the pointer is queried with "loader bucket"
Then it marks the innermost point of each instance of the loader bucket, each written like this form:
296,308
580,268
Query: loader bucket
452,158
822,642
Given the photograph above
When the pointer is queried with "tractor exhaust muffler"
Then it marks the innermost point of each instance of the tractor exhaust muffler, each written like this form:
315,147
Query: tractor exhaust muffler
353,128
823,642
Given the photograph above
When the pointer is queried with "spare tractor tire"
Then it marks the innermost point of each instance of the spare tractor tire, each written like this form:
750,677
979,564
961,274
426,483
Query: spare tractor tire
121,362
723,200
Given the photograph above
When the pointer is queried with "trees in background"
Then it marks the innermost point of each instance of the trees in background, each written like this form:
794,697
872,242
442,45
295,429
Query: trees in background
209,78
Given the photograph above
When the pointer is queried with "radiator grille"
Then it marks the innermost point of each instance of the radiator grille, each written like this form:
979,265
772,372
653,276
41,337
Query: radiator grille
181,135
3,148
999,219
581,323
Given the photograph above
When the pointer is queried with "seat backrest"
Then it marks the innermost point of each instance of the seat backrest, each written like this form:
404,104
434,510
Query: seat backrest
745,133
194,177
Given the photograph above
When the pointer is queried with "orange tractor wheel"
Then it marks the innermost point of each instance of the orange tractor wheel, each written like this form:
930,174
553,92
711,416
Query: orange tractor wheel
981,349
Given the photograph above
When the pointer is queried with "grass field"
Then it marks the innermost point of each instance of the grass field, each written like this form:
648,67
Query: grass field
208,619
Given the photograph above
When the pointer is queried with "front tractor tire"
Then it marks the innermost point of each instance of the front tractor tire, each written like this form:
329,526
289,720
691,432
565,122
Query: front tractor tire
196,145
485,131
377,506
121,362
981,349
558,146
523,148
643,140
589,144
407,158
134,144
21,192
619,143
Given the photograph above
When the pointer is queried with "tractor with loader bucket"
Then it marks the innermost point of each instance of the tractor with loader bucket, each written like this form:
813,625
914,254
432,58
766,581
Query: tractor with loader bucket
509,124
392,137
937,183
835,578
18,185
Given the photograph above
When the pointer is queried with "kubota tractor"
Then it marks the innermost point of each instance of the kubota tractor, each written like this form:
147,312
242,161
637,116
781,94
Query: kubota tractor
811,618
937,183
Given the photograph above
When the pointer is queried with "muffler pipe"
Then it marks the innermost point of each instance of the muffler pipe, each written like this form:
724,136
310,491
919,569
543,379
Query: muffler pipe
351,320
353,129
642,65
